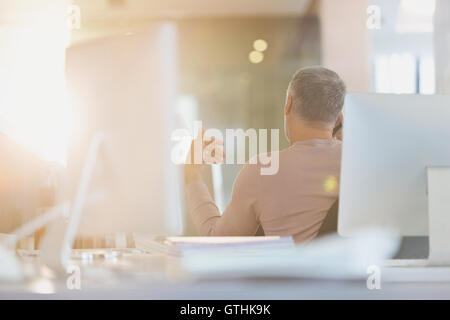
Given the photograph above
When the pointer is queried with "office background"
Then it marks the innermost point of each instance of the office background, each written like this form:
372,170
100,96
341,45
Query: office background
386,46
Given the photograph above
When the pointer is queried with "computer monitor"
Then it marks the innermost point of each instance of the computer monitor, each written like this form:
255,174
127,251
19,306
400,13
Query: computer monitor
120,177
395,162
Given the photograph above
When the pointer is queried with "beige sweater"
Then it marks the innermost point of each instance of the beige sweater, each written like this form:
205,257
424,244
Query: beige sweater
293,202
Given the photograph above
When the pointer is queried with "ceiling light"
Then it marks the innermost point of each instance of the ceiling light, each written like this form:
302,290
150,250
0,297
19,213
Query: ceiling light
415,16
419,6
260,45
256,57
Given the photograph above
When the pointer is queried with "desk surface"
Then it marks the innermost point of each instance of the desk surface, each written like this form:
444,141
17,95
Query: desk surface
159,277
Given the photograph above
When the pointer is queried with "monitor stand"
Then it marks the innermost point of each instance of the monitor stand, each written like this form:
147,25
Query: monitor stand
57,243
439,215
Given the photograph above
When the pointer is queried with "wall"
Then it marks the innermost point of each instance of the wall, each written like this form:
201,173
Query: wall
345,41
442,46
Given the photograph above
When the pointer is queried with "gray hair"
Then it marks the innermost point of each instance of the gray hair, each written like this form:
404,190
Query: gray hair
318,94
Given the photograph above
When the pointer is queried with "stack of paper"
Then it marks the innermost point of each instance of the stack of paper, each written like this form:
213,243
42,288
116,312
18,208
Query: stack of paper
182,246
330,257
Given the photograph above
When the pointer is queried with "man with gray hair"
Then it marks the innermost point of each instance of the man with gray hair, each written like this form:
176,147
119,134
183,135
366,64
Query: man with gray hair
295,200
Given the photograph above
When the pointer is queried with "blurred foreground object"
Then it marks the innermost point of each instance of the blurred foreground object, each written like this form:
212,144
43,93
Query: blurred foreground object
10,268
330,257
120,177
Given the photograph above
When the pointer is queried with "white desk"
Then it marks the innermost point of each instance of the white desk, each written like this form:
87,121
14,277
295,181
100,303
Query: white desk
159,277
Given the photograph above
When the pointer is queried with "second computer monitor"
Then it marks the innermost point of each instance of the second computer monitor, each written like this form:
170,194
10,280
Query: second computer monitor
124,88
389,142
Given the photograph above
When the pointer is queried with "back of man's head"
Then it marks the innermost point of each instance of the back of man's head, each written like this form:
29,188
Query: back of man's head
318,95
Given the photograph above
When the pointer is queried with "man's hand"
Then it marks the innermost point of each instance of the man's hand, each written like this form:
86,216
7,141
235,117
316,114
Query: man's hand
204,150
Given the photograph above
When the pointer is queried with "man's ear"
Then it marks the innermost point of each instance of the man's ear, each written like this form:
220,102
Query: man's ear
339,119
288,106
